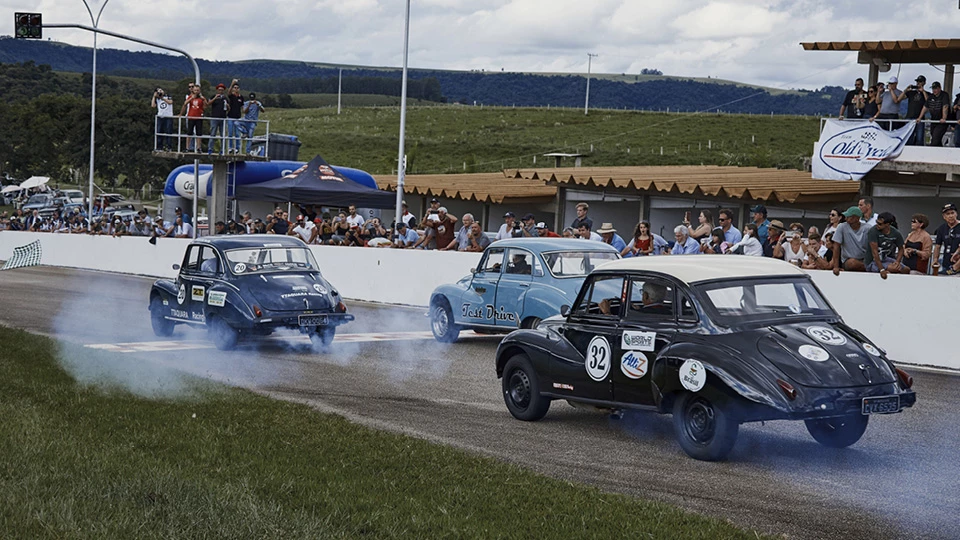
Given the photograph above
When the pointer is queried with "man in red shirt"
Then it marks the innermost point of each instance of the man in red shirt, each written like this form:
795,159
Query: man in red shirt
193,110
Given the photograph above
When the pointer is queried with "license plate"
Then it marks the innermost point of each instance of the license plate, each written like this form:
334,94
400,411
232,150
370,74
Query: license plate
313,320
881,405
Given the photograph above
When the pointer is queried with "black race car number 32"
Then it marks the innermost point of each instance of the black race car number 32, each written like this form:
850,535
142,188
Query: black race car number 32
598,358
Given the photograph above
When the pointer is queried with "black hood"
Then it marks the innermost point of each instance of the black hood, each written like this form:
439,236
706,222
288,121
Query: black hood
847,362
293,292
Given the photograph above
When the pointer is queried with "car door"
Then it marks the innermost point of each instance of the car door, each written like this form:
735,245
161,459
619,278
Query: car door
515,281
479,301
649,325
583,360
200,267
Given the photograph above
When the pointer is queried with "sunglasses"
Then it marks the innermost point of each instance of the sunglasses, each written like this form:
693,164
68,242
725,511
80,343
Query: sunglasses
834,215
914,221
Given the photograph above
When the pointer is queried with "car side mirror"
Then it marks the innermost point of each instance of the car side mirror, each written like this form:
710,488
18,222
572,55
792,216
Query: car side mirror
564,310
473,270
176,267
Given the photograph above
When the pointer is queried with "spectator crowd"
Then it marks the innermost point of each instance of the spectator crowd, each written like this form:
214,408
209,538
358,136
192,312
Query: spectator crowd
232,119
882,103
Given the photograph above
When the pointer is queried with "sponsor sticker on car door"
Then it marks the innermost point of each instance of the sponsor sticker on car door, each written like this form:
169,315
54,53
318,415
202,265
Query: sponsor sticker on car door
638,341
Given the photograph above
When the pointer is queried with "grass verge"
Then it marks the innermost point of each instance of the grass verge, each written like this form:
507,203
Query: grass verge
82,461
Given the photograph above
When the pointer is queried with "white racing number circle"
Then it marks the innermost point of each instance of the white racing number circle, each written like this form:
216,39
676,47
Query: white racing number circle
871,349
813,353
319,288
598,358
239,268
827,335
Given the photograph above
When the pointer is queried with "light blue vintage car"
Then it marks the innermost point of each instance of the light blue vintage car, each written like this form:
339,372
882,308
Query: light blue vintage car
518,283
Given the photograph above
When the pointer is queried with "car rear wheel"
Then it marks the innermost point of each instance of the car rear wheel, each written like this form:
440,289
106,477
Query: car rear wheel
838,432
223,335
162,327
704,429
441,322
322,337
521,390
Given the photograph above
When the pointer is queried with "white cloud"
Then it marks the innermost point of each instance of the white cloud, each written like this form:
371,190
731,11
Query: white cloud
754,41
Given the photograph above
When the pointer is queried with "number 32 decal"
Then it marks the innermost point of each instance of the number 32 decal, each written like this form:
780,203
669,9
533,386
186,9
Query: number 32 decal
598,358
826,335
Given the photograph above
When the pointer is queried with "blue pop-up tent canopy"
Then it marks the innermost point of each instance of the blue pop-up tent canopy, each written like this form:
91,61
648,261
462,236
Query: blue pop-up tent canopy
316,183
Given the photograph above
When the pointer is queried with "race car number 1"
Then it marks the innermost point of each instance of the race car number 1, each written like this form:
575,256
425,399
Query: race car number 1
598,358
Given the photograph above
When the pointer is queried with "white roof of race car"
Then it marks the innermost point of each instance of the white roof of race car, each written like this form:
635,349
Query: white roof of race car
694,268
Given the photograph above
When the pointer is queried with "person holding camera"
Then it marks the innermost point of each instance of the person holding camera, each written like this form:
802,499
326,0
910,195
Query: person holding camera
164,106
529,228
509,226
916,98
251,114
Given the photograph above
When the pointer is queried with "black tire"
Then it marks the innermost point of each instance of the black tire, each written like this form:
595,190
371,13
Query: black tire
704,429
521,390
531,322
441,323
838,432
322,337
223,335
161,327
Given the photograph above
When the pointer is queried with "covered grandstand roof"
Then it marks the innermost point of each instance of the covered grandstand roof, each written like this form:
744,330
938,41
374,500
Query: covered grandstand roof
913,51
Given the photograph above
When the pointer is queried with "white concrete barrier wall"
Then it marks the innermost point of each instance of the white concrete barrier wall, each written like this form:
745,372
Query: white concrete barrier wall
905,315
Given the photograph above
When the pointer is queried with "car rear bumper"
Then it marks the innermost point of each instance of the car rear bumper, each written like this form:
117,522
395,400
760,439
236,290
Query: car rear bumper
849,401
288,320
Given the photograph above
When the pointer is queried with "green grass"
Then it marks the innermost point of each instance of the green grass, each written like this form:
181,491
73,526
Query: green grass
450,139
314,101
82,461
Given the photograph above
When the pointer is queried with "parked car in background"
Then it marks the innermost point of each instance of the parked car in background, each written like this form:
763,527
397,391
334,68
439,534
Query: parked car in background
38,201
75,195
518,283
251,285
715,340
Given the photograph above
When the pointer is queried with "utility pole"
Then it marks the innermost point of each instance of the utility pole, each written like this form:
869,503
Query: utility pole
339,89
401,158
95,21
586,104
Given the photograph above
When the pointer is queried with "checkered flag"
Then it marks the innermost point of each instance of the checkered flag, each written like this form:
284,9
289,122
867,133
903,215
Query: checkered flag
28,255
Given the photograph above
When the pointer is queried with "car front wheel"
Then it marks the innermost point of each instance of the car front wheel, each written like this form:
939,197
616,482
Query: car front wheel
704,429
521,390
441,322
223,335
838,432
162,327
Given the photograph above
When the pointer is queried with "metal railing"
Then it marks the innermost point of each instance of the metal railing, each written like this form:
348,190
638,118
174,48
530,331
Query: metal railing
234,135
950,139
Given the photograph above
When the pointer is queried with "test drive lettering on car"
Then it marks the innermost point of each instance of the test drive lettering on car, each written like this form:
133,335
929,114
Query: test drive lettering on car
479,301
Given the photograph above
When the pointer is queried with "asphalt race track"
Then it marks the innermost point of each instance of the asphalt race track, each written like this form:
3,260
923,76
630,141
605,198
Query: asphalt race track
902,480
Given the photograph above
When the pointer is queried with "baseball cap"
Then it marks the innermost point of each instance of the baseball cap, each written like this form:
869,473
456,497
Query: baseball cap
403,203
300,218
922,79
433,200
541,225
893,80
253,96
401,224
318,220
936,84
759,209
178,209
509,214
853,211
221,85
528,216
949,206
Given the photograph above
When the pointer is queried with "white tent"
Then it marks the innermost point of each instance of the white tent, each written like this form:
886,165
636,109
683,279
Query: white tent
10,189
34,181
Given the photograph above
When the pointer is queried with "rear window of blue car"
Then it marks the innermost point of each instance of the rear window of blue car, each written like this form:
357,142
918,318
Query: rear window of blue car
576,263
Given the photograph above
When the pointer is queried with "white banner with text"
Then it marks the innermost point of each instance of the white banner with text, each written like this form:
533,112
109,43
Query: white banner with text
847,149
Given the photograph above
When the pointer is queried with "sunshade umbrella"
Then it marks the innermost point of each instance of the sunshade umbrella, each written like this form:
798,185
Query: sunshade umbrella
34,181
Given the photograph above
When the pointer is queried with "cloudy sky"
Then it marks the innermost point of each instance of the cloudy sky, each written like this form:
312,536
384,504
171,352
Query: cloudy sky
754,41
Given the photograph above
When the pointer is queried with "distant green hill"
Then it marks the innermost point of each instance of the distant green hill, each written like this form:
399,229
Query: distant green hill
610,91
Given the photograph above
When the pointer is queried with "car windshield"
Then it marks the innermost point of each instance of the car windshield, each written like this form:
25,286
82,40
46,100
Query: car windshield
38,198
254,260
576,263
740,301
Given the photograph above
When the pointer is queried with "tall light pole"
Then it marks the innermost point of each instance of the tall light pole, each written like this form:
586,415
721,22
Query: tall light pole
401,159
586,104
339,89
95,21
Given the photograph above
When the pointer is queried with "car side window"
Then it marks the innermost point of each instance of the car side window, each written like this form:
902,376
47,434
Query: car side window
191,261
687,312
650,299
603,298
493,261
209,264
519,261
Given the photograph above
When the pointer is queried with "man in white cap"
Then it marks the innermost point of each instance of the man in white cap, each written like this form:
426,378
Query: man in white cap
890,105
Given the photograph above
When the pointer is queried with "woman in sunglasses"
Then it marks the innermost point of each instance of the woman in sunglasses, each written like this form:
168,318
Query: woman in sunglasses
834,220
